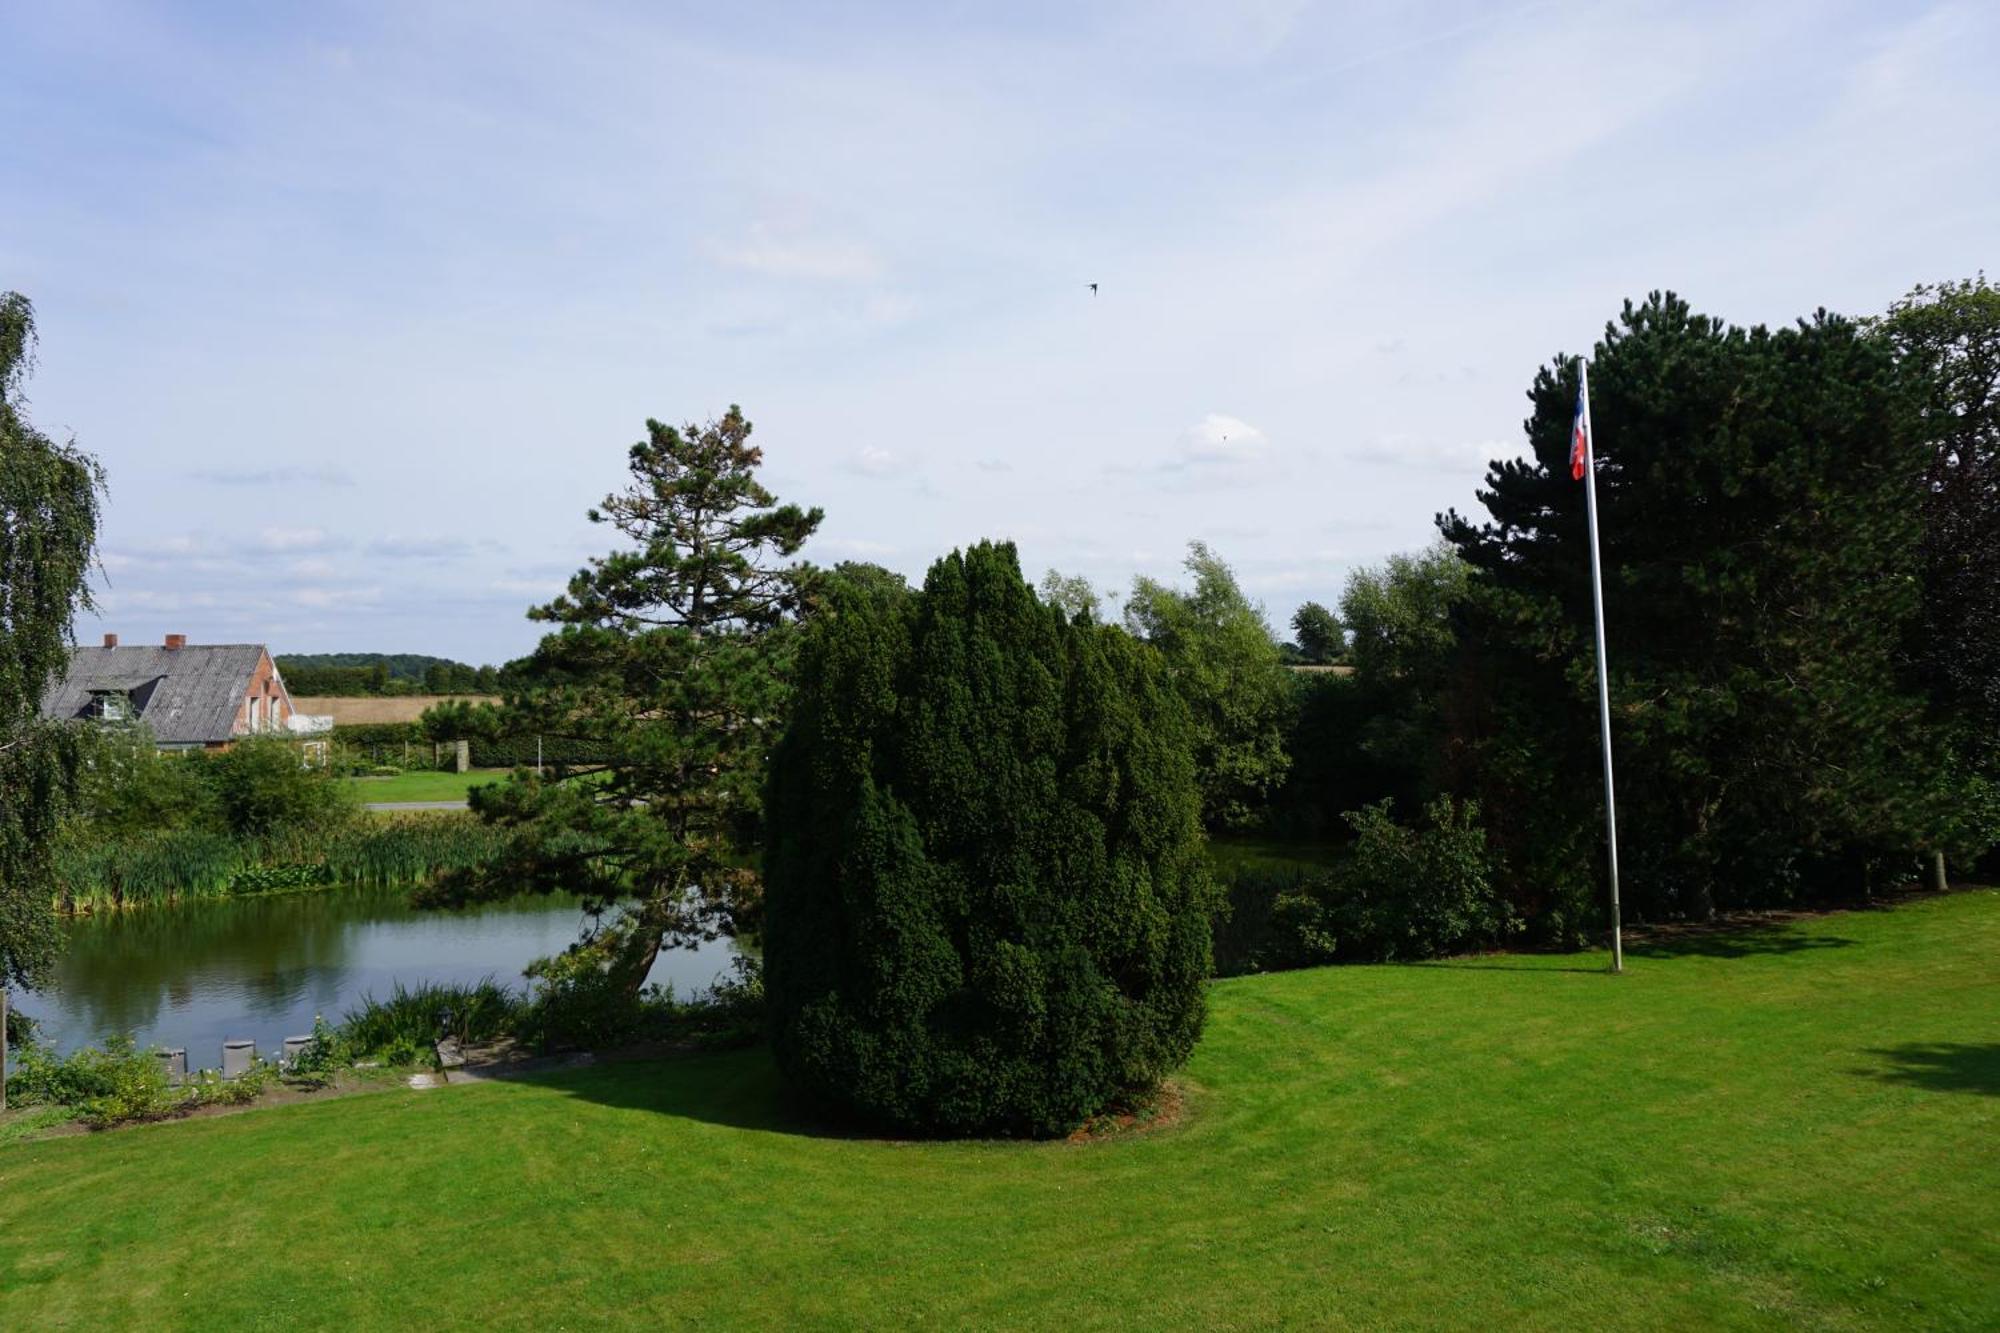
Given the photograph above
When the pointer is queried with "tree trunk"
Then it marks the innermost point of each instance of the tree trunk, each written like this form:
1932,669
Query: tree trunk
1938,881
635,957
3,1047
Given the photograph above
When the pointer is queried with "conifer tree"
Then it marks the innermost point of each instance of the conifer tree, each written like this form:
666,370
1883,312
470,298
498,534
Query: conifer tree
988,900
1759,546
670,657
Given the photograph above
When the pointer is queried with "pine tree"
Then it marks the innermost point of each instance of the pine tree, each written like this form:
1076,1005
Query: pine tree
671,657
1758,545
988,903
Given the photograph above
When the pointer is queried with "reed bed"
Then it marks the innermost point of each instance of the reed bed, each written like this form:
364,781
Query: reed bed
403,1026
186,865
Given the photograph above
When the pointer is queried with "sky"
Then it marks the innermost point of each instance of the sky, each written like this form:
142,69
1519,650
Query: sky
361,305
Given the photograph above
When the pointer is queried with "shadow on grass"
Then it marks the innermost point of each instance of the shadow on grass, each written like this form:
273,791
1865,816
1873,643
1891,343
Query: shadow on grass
737,1089
1942,1066
1729,941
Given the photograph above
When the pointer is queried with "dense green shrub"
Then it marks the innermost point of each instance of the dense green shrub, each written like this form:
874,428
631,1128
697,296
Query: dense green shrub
987,897
133,787
1399,892
263,787
107,1086
1424,890
579,1003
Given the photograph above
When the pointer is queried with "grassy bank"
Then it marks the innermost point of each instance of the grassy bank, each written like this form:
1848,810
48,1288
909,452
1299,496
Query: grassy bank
421,786
1794,1126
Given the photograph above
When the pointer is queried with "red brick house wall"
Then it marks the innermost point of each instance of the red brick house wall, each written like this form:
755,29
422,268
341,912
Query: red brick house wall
273,702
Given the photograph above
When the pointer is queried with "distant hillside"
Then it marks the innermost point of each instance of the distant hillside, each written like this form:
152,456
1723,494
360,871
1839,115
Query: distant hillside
362,675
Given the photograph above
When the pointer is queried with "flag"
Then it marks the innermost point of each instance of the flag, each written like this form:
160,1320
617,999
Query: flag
1579,437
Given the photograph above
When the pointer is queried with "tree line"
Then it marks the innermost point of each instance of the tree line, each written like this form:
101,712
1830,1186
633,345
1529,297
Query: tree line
972,802
965,818
352,675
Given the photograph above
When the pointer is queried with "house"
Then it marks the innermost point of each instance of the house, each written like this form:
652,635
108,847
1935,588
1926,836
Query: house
191,696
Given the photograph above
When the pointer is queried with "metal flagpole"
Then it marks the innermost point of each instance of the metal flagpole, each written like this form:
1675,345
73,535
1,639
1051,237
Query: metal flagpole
1603,667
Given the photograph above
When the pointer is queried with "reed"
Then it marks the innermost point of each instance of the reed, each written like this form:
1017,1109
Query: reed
410,850
150,868
147,869
403,1026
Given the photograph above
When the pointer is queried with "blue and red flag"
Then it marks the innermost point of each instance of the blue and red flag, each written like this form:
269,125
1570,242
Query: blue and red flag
1579,438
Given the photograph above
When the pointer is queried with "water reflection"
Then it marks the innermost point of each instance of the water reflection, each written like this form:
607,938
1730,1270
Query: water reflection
197,975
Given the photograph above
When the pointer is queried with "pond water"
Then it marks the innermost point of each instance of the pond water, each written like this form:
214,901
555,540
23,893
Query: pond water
199,974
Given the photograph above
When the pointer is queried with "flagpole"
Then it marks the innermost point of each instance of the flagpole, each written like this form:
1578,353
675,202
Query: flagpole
1603,667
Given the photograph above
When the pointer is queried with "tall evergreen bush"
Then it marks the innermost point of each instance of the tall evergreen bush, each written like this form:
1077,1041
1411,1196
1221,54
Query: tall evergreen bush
987,899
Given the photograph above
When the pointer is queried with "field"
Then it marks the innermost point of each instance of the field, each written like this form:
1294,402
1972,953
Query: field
1794,1126
421,785
358,710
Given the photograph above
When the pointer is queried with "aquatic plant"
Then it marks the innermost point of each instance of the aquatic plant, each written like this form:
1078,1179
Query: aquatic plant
95,873
412,1018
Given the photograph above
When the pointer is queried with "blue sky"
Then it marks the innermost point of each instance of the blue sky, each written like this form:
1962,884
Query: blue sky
361,304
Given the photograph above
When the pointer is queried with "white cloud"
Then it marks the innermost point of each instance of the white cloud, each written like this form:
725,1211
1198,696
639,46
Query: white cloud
1218,438
872,460
295,539
784,252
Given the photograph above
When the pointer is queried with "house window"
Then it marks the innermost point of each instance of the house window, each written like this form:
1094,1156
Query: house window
113,707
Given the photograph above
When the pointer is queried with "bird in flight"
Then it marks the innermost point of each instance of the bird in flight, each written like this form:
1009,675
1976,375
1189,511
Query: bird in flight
1093,289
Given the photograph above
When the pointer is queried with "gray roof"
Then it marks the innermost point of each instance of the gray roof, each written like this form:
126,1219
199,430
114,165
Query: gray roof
186,696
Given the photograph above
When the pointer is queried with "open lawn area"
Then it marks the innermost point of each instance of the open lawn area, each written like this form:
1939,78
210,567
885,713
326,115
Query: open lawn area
421,785
1797,1125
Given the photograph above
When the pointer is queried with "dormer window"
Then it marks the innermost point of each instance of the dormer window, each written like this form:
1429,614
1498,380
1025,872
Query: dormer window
110,705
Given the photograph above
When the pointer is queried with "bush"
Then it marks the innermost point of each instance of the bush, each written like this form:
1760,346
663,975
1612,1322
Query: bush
1402,893
114,1085
208,1088
987,896
578,1004
320,1060
264,788
132,788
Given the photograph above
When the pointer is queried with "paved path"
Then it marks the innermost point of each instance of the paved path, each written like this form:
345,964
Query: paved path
398,806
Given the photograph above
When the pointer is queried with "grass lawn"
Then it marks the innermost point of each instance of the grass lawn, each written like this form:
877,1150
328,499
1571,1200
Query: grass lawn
421,786
1796,1126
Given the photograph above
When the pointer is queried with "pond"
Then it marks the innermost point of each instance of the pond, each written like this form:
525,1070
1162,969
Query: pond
198,974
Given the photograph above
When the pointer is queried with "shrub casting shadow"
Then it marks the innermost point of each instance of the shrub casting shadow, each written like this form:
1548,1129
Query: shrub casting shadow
1728,941
1942,1066
738,1089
